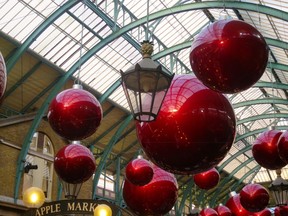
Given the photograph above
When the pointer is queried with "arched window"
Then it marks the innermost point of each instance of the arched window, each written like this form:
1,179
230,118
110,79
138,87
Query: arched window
38,166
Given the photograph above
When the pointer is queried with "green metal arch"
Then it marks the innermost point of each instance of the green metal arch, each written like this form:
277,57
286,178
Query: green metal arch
262,116
177,9
260,101
187,44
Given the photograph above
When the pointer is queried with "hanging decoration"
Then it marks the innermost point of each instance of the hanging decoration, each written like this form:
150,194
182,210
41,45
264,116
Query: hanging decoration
3,77
265,212
236,208
194,130
74,113
208,179
223,210
139,171
229,56
254,197
281,210
282,145
155,198
265,150
74,164
208,212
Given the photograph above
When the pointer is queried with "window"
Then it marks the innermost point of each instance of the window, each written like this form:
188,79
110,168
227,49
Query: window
41,154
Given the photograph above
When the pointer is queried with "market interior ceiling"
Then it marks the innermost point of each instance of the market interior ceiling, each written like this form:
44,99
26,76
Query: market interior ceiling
44,43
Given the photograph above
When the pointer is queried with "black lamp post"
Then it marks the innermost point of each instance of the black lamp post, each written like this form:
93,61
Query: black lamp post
145,85
279,189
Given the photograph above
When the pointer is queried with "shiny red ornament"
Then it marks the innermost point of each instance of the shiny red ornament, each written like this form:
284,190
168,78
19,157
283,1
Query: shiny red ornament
236,208
139,171
223,210
283,146
207,180
265,150
75,114
229,56
208,212
3,77
194,129
281,211
74,163
155,198
265,212
254,197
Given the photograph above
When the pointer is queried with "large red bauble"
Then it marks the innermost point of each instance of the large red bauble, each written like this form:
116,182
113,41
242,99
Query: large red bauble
139,171
236,208
3,77
74,163
229,56
155,198
281,211
265,150
223,210
75,114
283,146
254,197
194,129
208,212
265,212
207,180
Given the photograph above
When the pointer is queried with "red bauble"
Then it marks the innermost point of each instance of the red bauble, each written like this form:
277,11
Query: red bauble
75,114
194,129
229,56
223,210
3,77
74,163
254,197
265,212
208,212
265,150
207,180
139,171
281,211
283,146
155,198
236,208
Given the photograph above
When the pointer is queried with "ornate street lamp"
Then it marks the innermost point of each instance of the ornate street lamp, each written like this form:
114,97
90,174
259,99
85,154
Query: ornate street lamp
279,189
103,210
33,197
145,85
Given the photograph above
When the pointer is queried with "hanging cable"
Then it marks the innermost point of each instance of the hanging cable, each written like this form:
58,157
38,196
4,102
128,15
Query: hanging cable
77,81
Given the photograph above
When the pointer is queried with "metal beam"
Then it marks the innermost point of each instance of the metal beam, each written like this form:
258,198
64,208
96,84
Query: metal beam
107,151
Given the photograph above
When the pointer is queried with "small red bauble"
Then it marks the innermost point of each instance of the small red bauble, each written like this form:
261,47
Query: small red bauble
236,208
207,180
265,150
229,56
283,146
3,77
265,212
139,171
75,114
155,198
281,211
74,163
194,129
208,212
254,197
223,210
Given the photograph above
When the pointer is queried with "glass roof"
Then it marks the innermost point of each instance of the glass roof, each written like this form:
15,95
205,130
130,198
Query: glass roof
105,36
